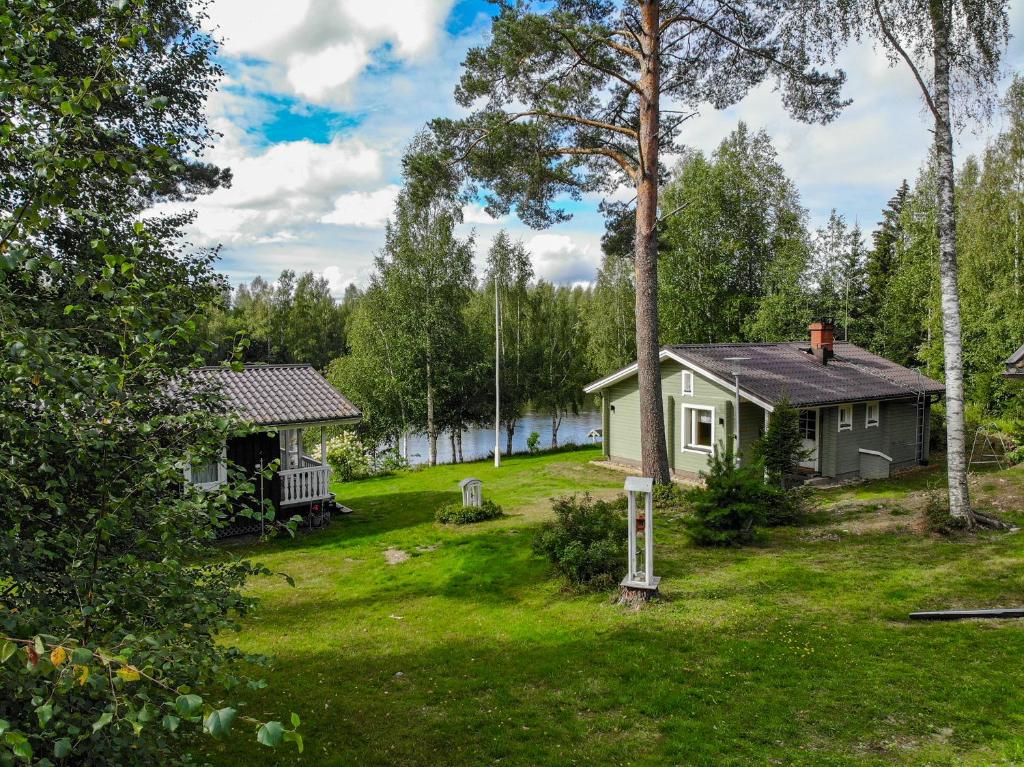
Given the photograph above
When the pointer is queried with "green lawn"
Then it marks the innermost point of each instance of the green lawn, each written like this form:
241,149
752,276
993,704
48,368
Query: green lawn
793,652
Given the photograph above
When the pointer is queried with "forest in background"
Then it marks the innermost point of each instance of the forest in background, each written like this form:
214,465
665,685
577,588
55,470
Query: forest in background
738,261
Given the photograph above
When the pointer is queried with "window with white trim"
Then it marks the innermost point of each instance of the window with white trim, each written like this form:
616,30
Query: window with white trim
687,383
699,428
208,475
871,415
845,417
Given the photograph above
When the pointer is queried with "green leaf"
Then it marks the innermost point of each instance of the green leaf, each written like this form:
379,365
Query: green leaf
188,705
61,748
293,737
219,722
19,744
295,719
80,656
7,649
105,718
45,714
270,734
171,722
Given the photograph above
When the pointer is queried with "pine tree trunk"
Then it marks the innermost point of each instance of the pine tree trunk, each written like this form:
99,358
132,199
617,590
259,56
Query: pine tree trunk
654,456
510,429
956,445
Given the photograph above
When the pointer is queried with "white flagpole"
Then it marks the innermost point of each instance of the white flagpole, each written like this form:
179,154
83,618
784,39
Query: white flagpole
497,372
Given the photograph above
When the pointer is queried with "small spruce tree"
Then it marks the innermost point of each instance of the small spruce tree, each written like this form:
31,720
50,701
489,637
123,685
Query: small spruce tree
780,449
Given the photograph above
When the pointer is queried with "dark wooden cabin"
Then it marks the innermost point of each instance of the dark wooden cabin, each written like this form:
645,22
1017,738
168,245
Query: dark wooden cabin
287,402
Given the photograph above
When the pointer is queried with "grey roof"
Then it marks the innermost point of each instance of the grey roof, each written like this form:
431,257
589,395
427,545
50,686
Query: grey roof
1015,363
277,395
774,371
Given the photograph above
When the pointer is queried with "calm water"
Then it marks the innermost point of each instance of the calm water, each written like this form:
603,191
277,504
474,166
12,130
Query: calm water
479,443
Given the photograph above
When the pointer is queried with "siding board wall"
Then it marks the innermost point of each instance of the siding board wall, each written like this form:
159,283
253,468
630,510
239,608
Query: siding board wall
896,434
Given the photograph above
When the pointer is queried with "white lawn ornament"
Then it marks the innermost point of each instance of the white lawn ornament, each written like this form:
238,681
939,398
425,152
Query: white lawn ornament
472,491
640,582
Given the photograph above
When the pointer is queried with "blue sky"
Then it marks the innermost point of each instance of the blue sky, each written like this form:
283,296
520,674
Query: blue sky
322,96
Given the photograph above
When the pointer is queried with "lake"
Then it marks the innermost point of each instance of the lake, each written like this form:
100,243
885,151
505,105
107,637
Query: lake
479,443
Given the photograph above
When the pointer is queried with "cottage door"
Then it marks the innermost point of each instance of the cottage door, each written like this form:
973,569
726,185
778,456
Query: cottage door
809,432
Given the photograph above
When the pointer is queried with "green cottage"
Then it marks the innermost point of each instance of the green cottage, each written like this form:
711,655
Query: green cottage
860,415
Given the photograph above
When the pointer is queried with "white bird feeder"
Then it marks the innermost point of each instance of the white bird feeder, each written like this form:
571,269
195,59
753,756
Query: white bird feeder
472,491
640,581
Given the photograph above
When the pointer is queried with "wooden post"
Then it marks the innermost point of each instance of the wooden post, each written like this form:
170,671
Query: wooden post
639,586
323,445
736,422
649,538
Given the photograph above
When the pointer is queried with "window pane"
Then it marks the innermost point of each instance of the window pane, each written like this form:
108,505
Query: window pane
205,473
701,425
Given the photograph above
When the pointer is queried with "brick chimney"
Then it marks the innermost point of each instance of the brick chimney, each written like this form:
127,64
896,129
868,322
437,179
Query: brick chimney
822,339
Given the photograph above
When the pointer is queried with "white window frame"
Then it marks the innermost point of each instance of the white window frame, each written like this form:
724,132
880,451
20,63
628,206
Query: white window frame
848,426
687,429
222,472
868,423
687,383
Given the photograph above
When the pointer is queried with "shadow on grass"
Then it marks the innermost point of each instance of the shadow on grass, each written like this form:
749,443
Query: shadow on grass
783,691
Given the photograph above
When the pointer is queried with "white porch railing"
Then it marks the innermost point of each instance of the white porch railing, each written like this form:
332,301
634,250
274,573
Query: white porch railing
305,484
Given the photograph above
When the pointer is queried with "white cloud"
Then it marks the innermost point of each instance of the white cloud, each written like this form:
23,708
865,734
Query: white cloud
315,76
317,49
475,214
338,279
565,258
364,209
279,190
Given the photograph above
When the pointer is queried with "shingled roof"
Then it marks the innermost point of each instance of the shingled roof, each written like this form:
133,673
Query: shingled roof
1015,363
277,395
771,372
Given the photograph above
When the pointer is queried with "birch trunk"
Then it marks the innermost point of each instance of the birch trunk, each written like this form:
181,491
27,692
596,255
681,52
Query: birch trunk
554,428
654,456
956,450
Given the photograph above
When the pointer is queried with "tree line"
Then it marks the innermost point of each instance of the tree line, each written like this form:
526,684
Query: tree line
586,96
738,260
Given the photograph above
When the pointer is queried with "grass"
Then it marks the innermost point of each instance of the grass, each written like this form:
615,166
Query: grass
796,651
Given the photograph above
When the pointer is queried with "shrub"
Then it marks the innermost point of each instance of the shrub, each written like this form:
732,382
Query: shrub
533,442
787,506
457,514
391,461
586,541
732,503
669,496
937,518
347,457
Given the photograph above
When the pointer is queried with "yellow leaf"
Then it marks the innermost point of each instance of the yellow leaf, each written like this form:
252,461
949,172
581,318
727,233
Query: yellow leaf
58,655
83,674
128,673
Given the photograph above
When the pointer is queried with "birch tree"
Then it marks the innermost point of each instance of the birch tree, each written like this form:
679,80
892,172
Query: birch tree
509,271
425,275
575,96
953,49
